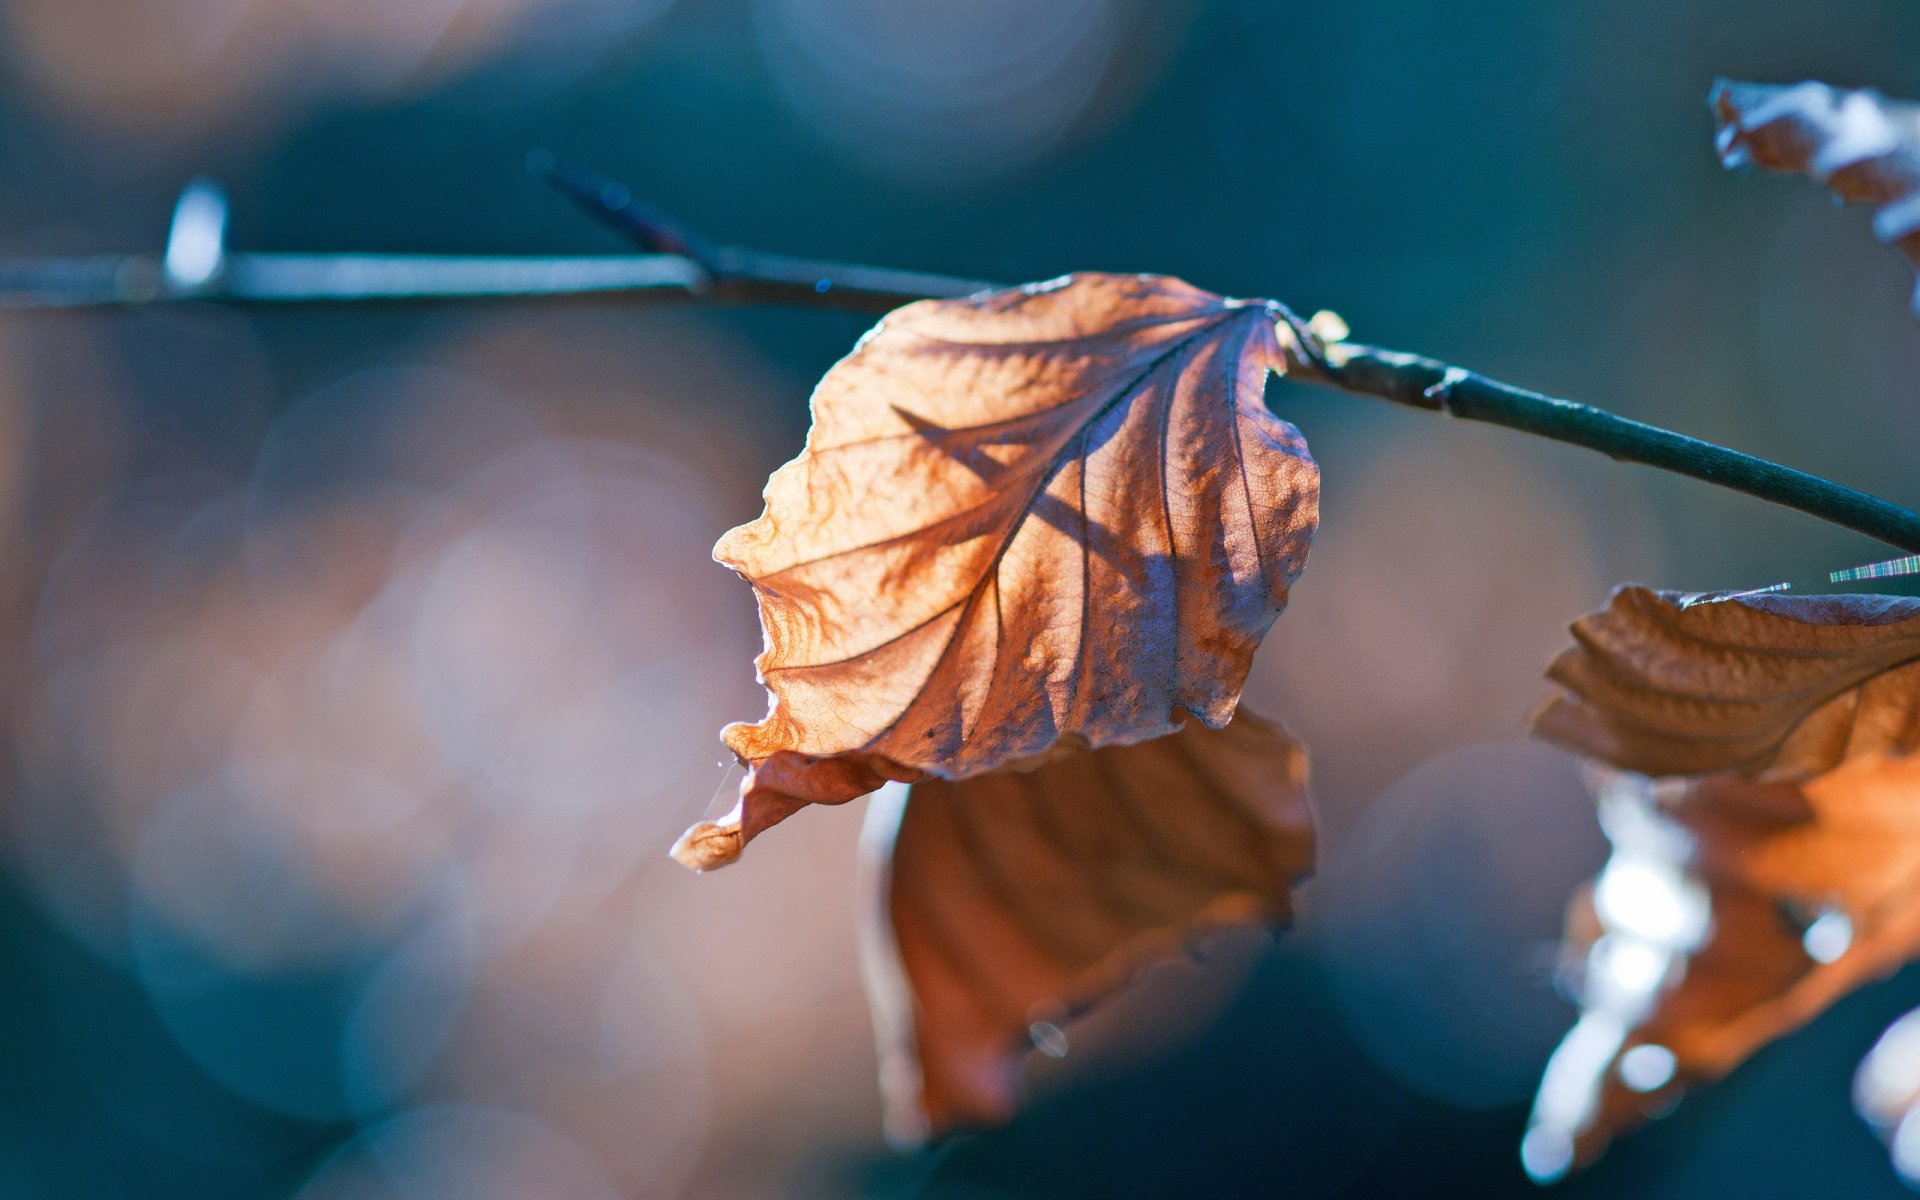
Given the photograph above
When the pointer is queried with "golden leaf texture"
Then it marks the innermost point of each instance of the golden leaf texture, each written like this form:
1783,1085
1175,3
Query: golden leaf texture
1026,522
1006,903
1762,797
1863,146
1669,684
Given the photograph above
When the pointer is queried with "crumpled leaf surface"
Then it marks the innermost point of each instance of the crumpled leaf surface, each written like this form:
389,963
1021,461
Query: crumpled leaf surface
1668,684
1773,868
1863,146
1025,522
1019,897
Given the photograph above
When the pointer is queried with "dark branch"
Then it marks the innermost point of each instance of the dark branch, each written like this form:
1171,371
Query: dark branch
1425,383
612,203
683,265
747,276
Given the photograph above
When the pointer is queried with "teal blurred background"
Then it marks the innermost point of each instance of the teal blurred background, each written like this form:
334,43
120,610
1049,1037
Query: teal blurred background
361,664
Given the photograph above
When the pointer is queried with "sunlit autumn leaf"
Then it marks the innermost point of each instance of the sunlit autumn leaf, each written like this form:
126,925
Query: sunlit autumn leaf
1859,143
1773,868
1026,522
1012,900
1666,684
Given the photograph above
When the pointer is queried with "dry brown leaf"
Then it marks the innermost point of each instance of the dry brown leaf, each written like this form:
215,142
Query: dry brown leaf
1007,902
1669,684
1732,911
1863,146
1774,867
1026,522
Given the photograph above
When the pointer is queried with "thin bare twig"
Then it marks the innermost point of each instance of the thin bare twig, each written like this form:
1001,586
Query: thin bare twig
681,264
198,266
1426,383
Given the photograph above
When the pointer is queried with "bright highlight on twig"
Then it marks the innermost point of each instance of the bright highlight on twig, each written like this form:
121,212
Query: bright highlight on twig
1759,591
1886,569
197,240
1907,565
1329,326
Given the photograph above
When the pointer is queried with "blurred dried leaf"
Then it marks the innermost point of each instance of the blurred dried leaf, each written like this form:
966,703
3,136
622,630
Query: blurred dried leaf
1013,900
1770,872
1886,1092
1731,912
1863,146
1026,522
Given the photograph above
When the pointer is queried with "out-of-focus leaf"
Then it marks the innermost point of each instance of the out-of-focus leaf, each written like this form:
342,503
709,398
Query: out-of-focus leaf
1012,900
1027,522
1732,911
1763,801
1886,1091
1863,146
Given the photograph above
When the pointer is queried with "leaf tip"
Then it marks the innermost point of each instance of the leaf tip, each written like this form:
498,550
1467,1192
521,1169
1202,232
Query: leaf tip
1720,94
1546,1153
708,846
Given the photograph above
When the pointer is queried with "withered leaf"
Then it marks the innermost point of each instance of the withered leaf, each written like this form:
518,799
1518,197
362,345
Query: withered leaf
1863,146
1029,521
1664,683
1763,800
1732,911
1019,897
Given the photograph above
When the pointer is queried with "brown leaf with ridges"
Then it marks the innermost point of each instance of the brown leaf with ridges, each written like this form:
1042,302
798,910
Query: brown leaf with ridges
1863,146
1018,897
1665,683
1770,869
1026,522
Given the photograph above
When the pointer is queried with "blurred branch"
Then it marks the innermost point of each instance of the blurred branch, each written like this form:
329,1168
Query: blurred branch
741,275
197,266
678,263
121,281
